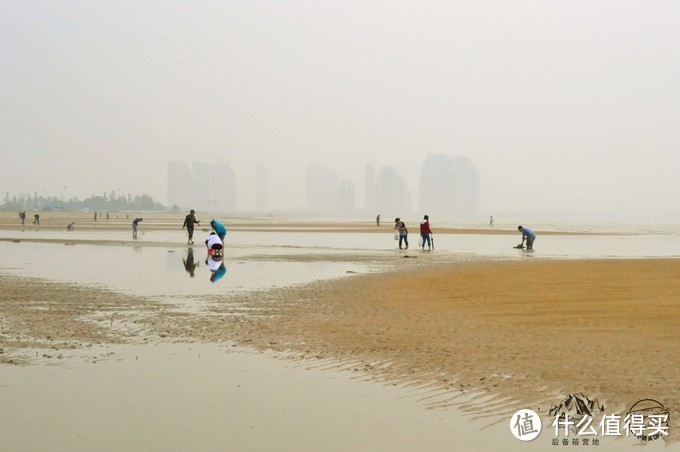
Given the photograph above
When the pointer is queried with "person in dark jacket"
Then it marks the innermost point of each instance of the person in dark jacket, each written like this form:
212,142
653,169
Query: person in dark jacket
189,222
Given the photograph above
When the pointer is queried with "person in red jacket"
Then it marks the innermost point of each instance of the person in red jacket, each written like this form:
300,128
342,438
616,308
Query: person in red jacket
426,232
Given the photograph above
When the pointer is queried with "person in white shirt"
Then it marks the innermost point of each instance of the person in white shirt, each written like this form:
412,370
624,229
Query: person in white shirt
214,245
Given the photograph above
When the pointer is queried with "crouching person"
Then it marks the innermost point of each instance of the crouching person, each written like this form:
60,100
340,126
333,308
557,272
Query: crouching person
214,245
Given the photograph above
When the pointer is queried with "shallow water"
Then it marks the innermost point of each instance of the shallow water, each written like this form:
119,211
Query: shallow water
159,271
176,397
244,243
197,397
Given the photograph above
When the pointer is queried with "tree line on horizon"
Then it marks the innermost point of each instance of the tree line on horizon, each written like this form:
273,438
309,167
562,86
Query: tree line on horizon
108,202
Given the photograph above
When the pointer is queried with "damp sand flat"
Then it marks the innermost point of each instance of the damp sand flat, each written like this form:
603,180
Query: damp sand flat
463,328
528,332
461,335
206,397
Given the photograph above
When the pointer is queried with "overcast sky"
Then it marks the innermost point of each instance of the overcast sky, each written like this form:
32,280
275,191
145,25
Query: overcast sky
562,105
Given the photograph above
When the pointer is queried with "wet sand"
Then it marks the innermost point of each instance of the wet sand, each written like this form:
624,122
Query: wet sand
520,334
156,221
510,334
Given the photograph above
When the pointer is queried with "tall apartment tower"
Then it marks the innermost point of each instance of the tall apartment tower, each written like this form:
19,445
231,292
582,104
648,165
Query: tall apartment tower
180,188
449,187
392,195
369,187
322,189
261,180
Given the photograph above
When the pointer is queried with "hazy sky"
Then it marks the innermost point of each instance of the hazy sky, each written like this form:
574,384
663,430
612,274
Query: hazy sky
561,105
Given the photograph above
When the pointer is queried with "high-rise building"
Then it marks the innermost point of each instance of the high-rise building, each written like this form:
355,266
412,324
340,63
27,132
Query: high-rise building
369,187
208,187
346,197
262,195
391,193
449,187
202,184
223,188
180,188
322,189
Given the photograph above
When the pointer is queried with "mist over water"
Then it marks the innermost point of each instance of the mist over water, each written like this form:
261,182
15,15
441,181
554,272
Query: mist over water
564,111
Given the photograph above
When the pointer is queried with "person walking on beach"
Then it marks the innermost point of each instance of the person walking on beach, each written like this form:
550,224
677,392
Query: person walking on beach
219,229
491,221
135,225
400,227
71,226
377,220
426,232
22,216
36,219
527,234
189,222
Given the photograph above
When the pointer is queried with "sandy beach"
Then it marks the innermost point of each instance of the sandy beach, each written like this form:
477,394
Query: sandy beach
512,334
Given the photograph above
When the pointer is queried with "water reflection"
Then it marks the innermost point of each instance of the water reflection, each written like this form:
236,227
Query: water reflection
189,263
217,268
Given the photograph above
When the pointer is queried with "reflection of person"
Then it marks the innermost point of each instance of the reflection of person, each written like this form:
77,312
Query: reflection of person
217,268
527,234
219,229
400,227
425,232
189,264
189,222
135,225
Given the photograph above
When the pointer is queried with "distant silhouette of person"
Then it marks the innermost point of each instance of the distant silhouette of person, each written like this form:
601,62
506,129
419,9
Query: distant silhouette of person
36,219
219,229
189,222
107,216
400,227
491,220
95,217
426,232
135,225
70,226
377,220
22,215
189,264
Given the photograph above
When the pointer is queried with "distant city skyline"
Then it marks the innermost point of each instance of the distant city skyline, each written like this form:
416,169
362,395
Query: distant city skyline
449,186
566,109
204,186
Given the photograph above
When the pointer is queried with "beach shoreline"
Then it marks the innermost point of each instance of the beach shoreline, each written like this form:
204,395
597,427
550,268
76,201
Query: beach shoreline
520,334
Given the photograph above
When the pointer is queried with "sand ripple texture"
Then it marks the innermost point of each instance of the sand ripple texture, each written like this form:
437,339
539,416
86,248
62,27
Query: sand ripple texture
511,334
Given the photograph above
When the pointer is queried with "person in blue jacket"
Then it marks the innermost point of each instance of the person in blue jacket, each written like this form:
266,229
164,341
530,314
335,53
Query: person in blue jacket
219,229
529,235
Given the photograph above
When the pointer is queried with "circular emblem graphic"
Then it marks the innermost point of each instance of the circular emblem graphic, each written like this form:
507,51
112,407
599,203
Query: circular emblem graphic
525,425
